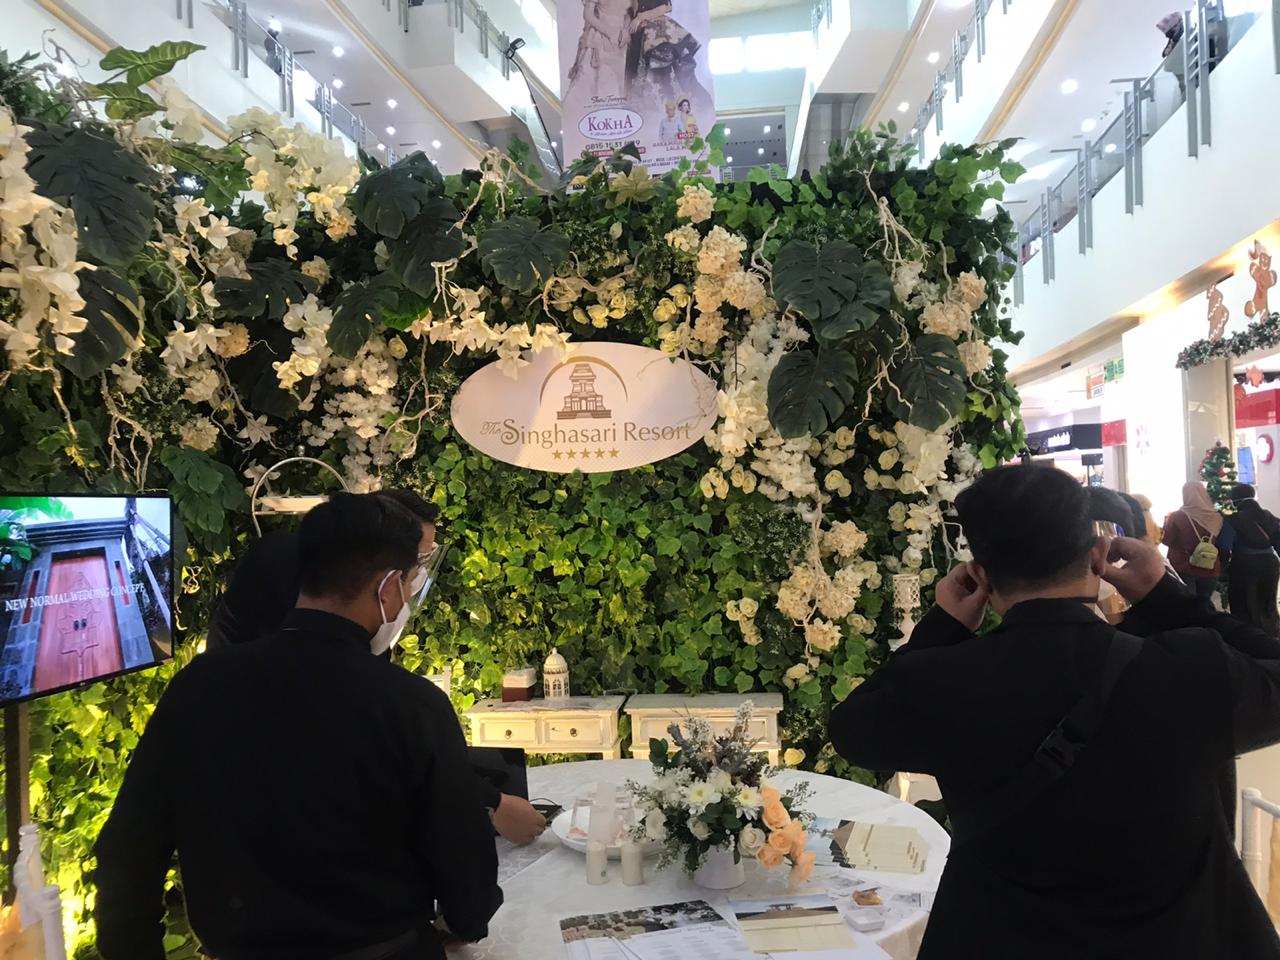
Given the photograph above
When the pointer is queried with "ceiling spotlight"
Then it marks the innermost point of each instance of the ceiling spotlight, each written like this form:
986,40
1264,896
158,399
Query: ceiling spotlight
728,159
1109,148
1069,85
435,144
760,151
904,106
555,145
934,57
767,128
337,83
274,25
1088,125
391,131
727,131
338,51
382,146
392,103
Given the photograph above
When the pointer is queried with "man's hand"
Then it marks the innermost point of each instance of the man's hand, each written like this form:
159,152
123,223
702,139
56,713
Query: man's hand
1143,568
962,596
517,821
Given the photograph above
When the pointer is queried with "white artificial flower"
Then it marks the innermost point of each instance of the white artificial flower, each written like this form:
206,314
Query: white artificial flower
751,840
696,204
720,781
699,795
699,829
748,801
257,430
655,826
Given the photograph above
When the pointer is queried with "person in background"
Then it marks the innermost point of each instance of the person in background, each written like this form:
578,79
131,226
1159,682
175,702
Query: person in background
319,798
1079,765
1191,534
1113,517
263,589
275,55
1153,535
1249,540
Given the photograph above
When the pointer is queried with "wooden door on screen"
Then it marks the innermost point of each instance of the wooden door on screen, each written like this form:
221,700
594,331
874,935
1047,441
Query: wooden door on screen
79,640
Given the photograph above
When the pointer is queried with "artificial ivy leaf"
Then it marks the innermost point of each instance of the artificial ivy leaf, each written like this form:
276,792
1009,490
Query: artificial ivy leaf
102,185
429,238
522,255
633,186
387,199
220,171
124,101
142,66
113,310
358,310
932,384
808,391
818,283
272,286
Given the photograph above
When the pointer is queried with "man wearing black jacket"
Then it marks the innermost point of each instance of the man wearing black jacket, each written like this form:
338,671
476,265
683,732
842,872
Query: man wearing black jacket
318,797
1121,849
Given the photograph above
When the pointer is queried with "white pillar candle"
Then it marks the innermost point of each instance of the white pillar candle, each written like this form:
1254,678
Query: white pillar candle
632,864
597,862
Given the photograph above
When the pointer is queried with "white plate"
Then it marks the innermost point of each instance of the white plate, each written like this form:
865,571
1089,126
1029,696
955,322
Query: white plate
560,827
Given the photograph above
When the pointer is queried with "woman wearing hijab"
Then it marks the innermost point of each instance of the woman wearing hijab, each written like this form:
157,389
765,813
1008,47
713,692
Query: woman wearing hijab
1250,537
1197,522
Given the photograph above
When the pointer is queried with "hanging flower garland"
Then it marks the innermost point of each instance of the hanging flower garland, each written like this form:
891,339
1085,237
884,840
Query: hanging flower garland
1260,335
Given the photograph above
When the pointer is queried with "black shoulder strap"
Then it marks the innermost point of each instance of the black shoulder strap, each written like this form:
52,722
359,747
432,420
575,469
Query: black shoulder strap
1056,753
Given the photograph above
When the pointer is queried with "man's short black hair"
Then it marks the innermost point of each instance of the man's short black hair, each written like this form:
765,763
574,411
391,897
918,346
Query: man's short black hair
424,510
1027,525
345,541
1139,529
1110,507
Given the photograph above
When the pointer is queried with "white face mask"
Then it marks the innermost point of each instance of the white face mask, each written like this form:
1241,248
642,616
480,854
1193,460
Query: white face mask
388,634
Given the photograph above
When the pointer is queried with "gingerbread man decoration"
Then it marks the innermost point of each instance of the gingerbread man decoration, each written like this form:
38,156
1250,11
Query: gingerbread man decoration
1218,313
1264,277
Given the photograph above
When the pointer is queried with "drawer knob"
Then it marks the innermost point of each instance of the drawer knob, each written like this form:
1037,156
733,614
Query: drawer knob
573,731
508,734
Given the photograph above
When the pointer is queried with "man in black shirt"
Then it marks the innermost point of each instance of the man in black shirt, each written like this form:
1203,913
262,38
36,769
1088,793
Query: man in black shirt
262,590
318,797
1087,823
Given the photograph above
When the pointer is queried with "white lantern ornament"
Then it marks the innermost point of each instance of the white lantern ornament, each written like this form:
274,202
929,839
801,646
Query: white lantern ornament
906,598
555,677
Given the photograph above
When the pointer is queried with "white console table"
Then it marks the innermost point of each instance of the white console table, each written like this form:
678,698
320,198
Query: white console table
652,713
575,725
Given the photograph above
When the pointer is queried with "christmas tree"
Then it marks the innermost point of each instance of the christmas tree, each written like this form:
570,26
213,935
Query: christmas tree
1219,473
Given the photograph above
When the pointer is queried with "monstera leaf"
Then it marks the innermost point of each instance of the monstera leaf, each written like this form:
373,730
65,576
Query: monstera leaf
388,199
817,282
866,308
430,237
272,286
522,255
142,66
932,383
103,186
113,310
360,308
808,391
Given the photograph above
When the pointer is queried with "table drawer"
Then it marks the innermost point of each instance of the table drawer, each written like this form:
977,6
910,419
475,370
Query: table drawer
584,730
757,729
500,731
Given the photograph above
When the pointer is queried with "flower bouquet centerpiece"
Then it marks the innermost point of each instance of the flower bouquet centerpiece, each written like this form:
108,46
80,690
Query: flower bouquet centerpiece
711,806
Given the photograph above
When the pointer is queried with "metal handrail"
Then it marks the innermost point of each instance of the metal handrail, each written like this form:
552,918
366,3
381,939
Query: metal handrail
1253,807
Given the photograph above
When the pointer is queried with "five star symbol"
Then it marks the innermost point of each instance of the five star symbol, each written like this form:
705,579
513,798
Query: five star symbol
572,454
556,455
584,454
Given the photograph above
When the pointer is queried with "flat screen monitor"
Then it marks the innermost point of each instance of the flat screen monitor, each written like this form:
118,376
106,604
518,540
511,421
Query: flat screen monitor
86,590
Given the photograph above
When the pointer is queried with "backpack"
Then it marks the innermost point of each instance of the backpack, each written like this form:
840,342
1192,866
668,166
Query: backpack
1205,555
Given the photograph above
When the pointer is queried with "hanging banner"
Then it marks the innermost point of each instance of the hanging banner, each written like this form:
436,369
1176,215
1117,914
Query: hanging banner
607,406
635,71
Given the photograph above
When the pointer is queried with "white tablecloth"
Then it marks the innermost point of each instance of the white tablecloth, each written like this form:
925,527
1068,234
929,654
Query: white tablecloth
546,882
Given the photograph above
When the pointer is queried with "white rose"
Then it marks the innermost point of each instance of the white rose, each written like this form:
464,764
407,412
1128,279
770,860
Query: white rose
751,840
699,829
655,826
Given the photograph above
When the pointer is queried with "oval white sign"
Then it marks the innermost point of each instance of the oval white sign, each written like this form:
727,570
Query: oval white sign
610,123
607,406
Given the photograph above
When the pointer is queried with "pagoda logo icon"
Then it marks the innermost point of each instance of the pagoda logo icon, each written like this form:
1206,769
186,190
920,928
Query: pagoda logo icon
582,401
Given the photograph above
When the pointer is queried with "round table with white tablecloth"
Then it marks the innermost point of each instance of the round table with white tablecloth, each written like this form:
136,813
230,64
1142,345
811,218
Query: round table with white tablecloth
546,882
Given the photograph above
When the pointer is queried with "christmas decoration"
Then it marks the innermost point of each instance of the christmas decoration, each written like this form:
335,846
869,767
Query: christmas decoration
1219,473
1263,333
1263,276
1218,313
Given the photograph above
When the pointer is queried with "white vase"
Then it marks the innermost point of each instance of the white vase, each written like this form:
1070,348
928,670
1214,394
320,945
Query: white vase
721,870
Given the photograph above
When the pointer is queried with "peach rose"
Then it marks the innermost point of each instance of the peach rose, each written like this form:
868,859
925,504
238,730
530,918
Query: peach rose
769,856
780,841
775,815
802,867
770,795
794,832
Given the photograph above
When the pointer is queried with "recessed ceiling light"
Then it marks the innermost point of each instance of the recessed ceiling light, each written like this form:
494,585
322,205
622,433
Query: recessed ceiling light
382,146
435,144
555,144
337,83
338,51
1069,85
768,128
391,131
1109,148
391,103
727,131
903,107
274,25
934,57
728,159
1088,124
760,151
